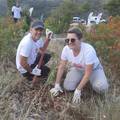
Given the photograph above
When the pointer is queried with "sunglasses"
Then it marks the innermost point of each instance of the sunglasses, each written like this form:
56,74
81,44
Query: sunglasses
72,40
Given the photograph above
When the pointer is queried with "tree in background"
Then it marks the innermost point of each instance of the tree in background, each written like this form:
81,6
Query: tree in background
41,7
113,7
61,17
10,3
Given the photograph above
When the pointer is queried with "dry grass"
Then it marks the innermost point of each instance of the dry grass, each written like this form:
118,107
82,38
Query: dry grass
20,102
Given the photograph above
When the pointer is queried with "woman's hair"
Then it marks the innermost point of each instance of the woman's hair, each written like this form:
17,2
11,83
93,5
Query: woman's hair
76,31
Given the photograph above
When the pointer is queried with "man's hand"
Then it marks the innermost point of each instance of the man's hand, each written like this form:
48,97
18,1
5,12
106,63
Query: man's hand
36,71
55,91
77,96
49,34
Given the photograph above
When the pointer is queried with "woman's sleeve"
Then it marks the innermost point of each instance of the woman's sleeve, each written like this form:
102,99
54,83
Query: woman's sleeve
64,54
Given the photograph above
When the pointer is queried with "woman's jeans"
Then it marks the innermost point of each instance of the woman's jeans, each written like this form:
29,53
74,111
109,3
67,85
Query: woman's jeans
97,79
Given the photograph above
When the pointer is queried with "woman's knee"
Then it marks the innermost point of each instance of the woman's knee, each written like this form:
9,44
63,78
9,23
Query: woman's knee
100,88
69,86
72,79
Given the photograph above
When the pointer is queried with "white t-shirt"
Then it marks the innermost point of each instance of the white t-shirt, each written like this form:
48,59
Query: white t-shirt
28,48
16,10
86,56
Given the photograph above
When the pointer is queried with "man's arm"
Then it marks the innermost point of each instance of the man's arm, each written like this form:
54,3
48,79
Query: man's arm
43,49
47,40
49,35
12,10
24,64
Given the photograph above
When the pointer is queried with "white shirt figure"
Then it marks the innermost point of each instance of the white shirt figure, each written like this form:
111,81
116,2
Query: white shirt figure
31,11
86,56
16,10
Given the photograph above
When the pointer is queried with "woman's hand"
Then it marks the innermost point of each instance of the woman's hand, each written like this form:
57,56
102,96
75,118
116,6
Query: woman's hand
77,65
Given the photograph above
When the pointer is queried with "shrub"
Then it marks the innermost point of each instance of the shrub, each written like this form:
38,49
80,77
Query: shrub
10,35
106,39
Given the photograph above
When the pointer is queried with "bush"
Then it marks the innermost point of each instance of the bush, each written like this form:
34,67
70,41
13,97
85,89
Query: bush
106,39
10,35
61,17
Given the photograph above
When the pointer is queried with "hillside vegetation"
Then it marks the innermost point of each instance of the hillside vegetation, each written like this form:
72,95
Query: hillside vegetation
45,6
20,102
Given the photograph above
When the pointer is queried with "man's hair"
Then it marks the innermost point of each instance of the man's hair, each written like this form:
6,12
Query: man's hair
76,31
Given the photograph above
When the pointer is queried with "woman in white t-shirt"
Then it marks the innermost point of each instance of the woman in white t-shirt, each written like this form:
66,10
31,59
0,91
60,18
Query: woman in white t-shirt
85,66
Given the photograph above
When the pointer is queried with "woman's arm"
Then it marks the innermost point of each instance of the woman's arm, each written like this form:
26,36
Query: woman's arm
88,71
60,71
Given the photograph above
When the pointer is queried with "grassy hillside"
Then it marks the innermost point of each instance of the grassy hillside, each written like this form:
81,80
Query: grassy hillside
18,101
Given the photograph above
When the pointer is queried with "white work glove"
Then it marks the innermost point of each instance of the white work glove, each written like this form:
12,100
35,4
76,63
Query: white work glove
36,71
77,96
49,34
55,91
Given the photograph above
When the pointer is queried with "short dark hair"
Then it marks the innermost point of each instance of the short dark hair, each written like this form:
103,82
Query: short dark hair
76,31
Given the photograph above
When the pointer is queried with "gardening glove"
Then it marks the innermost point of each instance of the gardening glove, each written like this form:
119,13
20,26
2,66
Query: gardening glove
77,96
36,71
49,34
55,91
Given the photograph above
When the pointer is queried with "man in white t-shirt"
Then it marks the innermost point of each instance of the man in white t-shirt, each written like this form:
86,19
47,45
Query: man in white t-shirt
30,50
16,12
85,66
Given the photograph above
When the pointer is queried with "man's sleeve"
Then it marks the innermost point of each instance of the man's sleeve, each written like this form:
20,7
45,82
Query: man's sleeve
12,9
25,50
